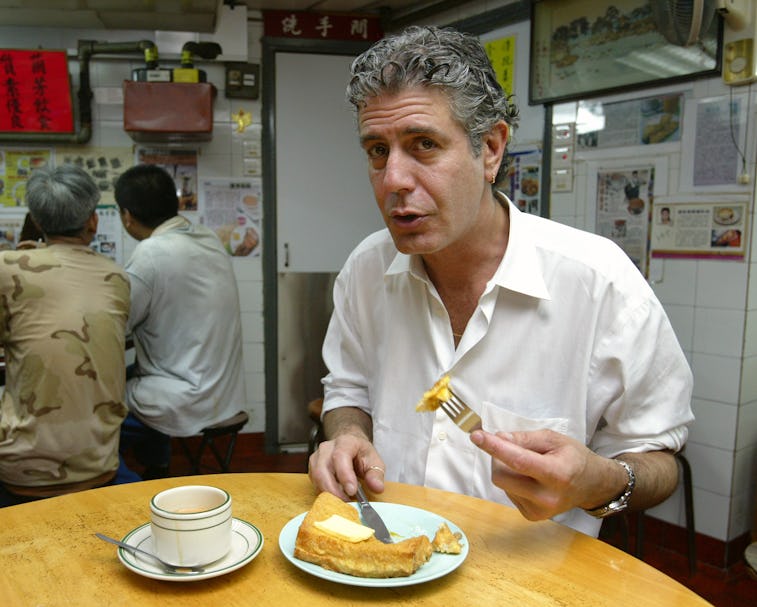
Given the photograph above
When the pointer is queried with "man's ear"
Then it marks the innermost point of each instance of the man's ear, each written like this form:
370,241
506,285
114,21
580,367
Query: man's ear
126,217
92,222
495,146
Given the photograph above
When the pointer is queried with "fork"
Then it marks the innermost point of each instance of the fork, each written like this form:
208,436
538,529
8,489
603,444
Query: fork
464,417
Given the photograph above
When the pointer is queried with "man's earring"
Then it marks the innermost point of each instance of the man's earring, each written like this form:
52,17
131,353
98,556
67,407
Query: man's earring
493,180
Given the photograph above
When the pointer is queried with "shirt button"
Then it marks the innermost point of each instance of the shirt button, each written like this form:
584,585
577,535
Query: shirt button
442,436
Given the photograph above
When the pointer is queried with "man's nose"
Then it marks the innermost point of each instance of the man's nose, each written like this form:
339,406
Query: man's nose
398,174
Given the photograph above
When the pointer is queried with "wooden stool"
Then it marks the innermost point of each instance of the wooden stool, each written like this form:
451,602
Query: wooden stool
316,432
229,427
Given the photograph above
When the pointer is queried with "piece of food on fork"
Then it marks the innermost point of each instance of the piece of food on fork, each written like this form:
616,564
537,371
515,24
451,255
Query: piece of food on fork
434,397
442,395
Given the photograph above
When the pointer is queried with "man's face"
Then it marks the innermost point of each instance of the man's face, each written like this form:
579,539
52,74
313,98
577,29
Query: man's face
426,180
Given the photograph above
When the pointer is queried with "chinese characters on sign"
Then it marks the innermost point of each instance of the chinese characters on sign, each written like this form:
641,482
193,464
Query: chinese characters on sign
502,56
298,24
700,230
34,92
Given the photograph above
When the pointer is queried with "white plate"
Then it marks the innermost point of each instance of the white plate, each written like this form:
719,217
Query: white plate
403,522
246,543
726,220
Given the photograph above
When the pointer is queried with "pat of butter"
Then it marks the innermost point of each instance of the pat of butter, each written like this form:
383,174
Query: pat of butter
344,529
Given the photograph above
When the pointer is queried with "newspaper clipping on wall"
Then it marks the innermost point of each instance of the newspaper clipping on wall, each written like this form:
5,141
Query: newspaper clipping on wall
624,199
700,230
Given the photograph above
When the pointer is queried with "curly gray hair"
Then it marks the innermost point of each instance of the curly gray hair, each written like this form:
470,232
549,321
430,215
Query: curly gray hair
454,62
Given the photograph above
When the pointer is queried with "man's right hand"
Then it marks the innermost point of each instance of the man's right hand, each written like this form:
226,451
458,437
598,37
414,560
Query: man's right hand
337,465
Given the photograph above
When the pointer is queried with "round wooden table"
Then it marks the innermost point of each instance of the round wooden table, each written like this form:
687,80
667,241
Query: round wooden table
49,555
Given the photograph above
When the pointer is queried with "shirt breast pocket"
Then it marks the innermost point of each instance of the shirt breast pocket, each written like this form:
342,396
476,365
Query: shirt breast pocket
495,418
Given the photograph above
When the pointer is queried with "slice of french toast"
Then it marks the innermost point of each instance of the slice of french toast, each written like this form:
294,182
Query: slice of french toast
367,558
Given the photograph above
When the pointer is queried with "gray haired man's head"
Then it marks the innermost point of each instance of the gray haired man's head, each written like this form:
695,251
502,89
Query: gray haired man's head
61,200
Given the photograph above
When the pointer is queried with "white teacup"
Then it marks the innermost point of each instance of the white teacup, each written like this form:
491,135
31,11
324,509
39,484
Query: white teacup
191,525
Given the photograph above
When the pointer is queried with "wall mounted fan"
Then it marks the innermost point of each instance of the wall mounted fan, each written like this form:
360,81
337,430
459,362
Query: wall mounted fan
682,22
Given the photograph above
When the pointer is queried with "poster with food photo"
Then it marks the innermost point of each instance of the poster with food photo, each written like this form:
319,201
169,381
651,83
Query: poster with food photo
232,208
523,182
624,197
700,229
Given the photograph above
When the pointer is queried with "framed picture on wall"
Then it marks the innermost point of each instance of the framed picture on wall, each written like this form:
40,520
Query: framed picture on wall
584,48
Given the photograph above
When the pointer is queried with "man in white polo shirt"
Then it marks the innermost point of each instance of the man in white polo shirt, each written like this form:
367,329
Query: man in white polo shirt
184,319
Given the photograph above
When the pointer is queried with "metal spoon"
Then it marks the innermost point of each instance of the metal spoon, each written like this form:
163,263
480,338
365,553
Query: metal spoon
193,570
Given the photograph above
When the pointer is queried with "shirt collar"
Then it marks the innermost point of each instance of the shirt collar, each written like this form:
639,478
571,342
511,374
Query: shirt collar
519,270
177,222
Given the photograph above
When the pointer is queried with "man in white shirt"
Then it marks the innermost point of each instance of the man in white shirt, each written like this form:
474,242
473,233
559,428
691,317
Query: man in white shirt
549,333
184,318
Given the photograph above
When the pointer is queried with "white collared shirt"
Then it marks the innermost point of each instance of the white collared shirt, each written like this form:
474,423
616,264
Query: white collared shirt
187,330
567,336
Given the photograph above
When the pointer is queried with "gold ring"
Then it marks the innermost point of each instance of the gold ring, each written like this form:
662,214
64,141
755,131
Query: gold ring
377,468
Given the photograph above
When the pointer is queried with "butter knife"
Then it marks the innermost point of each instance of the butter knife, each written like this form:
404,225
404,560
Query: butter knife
371,518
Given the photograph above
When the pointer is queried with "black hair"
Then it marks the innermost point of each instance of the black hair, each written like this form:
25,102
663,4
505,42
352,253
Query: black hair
148,192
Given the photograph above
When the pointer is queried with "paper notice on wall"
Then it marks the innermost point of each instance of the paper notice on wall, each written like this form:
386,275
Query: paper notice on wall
103,164
109,239
10,228
233,209
624,197
182,166
16,166
700,229
717,147
522,184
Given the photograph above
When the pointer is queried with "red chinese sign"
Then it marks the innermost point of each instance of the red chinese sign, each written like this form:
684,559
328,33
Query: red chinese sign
35,95
298,24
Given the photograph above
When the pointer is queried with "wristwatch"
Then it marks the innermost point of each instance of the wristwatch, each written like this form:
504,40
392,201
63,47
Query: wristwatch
620,503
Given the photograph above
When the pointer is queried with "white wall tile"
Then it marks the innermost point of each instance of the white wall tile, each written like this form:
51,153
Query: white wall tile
719,331
216,165
748,380
744,490
746,426
711,514
721,284
750,333
678,283
562,204
250,296
248,268
716,377
711,468
715,424
255,384
254,357
252,327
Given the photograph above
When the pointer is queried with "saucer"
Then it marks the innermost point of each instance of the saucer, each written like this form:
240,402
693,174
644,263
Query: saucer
246,544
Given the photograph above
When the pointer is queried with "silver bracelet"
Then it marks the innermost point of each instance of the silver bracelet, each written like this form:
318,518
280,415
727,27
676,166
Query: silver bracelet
620,503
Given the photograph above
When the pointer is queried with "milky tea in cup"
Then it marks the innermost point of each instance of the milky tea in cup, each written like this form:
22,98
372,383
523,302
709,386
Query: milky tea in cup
191,525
